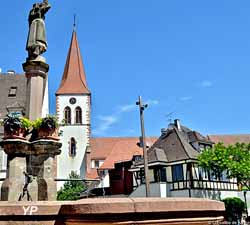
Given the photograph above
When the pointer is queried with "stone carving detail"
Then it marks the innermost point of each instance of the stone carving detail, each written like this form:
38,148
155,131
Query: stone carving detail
37,42
28,180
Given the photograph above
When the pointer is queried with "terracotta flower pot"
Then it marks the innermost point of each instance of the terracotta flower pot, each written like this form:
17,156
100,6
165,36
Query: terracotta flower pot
15,134
51,134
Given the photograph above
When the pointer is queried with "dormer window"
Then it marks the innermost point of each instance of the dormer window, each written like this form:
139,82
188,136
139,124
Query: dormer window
12,92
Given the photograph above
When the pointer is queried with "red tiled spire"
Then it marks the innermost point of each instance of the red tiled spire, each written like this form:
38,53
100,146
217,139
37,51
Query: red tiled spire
74,79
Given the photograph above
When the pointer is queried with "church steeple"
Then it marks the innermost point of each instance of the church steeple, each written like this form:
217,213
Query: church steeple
74,78
73,106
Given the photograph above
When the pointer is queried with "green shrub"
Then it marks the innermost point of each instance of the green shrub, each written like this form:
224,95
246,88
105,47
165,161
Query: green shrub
234,209
71,189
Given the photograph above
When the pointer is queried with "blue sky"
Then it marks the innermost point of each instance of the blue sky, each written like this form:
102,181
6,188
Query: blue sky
189,58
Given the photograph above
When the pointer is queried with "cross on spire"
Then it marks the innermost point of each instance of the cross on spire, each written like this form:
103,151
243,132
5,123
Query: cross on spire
74,25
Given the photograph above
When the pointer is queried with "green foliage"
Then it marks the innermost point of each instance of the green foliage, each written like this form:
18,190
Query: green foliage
234,209
50,122
71,189
235,159
63,122
26,123
37,123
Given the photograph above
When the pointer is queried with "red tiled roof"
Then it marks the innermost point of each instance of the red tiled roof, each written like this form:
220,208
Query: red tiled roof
101,147
113,150
230,139
74,79
92,174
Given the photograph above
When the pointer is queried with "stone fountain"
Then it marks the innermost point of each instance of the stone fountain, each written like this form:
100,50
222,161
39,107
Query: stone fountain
28,193
31,162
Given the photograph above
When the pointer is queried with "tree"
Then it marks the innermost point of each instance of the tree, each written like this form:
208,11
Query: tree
234,209
71,189
234,159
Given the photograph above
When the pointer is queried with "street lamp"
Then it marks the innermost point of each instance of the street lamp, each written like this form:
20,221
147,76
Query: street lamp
142,107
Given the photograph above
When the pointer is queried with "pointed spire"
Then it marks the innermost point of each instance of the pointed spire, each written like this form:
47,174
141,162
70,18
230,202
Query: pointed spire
74,78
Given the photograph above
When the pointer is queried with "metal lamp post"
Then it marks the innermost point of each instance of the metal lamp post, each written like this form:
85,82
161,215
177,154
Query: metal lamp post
145,155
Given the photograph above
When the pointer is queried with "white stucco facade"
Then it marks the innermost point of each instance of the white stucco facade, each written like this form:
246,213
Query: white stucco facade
80,132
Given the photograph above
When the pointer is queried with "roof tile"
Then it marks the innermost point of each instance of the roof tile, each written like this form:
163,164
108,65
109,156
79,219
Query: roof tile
114,149
230,139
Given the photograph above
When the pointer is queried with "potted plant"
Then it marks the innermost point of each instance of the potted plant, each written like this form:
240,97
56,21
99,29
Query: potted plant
47,127
13,128
26,125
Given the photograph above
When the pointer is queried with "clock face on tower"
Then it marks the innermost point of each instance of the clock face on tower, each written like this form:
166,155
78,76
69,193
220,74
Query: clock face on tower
72,101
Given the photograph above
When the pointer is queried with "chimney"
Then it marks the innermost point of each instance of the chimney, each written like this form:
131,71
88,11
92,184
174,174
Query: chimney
164,131
177,124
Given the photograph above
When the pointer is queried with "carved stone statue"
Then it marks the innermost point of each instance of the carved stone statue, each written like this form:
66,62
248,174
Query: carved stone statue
28,180
37,42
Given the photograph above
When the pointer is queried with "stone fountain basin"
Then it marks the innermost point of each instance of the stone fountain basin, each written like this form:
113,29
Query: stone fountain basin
20,147
171,211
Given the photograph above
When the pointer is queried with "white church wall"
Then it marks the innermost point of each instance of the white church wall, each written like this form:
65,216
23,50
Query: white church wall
81,101
80,132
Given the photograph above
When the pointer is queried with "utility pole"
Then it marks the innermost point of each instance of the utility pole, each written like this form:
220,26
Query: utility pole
145,155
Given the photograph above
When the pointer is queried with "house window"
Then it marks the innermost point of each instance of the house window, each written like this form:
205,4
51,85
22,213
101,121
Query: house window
78,115
96,163
142,176
72,147
224,176
67,115
12,92
203,174
160,175
202,147
177,173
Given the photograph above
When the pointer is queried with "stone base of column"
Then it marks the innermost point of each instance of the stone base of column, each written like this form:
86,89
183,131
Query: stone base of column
49,177
12,186
31,170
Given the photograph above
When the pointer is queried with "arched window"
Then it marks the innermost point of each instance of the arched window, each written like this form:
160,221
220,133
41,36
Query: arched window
67,115
78,115
72,147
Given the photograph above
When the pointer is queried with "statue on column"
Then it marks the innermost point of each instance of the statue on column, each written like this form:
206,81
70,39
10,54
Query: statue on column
37,42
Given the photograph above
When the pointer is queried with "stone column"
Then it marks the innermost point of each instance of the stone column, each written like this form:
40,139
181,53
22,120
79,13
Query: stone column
12,186
49,176
36,73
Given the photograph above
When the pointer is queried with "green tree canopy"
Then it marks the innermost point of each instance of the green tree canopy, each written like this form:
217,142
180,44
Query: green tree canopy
71,189
234,159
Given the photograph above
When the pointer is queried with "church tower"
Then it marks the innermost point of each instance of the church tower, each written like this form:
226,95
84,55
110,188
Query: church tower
73,100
